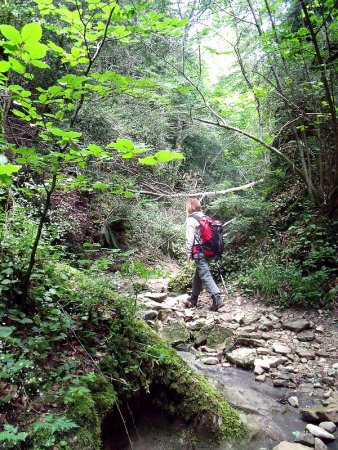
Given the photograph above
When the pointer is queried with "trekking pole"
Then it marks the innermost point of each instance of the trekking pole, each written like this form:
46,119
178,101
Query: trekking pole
220,274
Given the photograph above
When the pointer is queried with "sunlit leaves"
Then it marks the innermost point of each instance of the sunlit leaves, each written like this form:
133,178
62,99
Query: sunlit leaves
162,156
32,32
126,148
11,34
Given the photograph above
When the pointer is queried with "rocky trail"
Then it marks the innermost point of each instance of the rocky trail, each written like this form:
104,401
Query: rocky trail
279,368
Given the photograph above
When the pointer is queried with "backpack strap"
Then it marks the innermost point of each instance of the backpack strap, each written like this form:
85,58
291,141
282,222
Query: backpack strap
199,247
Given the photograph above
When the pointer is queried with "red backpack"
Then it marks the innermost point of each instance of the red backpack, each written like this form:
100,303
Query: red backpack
211,236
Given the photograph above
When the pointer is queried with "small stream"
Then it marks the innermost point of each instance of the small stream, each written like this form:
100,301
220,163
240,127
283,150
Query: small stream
264,408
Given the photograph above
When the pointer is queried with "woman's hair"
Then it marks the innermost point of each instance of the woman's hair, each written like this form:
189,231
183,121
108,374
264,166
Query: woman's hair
193,205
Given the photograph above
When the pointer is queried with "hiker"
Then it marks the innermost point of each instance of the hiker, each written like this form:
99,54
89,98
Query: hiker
195,252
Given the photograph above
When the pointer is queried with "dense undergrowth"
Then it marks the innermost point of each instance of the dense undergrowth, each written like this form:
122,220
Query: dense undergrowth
76,352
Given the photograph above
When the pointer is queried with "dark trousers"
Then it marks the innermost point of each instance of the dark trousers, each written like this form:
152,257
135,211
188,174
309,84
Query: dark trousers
203,276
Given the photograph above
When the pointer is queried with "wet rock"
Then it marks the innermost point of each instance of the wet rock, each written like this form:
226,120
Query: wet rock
296,325
306,336
322,413
306,439
211,361
174,333
280,348
293,401
290,446
281,383
330,427
319,432
156,296
242,357
319,444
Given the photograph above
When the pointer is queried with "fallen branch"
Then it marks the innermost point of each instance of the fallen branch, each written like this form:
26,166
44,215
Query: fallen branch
198,194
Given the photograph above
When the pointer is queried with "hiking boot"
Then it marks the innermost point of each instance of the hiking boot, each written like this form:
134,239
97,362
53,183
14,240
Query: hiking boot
216,302
193,301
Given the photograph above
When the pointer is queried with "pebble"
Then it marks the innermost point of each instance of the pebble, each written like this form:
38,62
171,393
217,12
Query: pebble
211,361
260,378
293,401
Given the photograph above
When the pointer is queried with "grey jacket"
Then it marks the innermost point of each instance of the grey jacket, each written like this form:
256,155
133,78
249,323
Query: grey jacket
193,232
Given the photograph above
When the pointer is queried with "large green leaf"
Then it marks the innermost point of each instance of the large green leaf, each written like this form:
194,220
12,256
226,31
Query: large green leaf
6,169
5,332
36,50
31,32
11,33
4,66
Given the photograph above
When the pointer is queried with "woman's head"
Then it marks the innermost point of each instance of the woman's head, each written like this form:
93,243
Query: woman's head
193,205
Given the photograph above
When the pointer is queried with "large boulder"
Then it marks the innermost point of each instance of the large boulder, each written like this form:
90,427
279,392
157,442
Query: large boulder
322,413
242,357
174,333
214,335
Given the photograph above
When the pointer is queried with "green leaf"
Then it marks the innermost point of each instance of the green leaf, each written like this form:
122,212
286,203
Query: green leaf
31,32
4,66
6,169
17,66
39,64
167,155
6,331
10,33
36,50
99,185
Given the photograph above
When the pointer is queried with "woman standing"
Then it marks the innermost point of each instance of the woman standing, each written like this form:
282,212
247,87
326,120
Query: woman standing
195,252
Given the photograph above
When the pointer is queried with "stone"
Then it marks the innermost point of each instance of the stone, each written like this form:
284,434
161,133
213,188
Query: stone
328,426
317,431
213,334
150,315
196,325
296,325
261,363
211,361
306,336
263,351
319,444
280,348
239,317
322,413
293,401
242,357
174,333
260,378
250,318
275,361
322,353
320,329
306,439
284,445
258,370
156,296
305,353
164,314
244,341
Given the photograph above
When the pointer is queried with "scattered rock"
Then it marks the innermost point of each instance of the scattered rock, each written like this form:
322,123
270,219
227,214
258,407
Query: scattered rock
248,340
330,427
293,401
290,446
260,378
296,325
239,318
305,353
156,296
258,370
319,444
164,314
306,336
214,334
319,432
262,364
322,353
306,439
280,348
211,361
242,357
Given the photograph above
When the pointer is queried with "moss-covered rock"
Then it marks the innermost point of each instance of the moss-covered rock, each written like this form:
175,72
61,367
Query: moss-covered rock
174,333
213,335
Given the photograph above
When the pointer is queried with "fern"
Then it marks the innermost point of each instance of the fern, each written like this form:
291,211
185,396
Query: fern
11,437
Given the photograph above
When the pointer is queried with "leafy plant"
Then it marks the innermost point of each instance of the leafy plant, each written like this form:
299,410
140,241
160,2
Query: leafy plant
47,431
11,437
